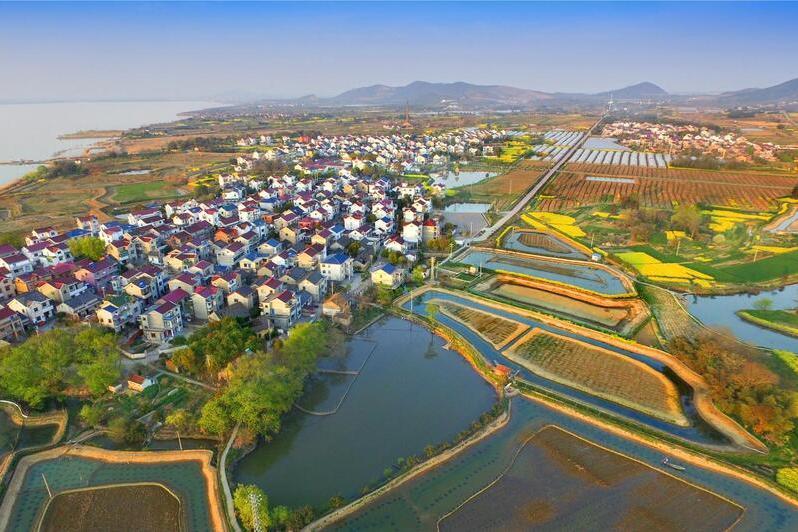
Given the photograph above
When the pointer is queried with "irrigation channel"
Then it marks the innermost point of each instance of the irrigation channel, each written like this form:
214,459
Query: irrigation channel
698,431
410,392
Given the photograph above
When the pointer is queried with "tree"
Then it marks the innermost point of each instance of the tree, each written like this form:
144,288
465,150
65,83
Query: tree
252,507
127,431
13,238
336,501
688,218
89,247
764,303
417,275
91,414
181,420
280,516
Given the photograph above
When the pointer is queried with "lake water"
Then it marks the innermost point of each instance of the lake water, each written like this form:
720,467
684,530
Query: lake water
411,393
31,130
719,311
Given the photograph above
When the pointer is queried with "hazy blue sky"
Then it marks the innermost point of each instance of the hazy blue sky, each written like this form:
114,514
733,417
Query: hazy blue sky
188,50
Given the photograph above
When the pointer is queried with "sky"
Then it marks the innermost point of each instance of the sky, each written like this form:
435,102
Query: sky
96,51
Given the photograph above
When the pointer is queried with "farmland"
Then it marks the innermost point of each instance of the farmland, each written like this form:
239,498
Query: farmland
622,315
139,192
560,481
663,187
498,331
600,372
108,508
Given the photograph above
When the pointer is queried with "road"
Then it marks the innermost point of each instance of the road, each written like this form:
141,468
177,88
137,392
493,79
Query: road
536,188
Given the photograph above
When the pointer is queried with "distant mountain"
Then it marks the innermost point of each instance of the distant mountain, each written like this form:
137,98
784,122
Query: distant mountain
645,90
424,93
783,92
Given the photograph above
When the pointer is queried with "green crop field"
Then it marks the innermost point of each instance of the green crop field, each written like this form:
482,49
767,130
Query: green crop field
136,192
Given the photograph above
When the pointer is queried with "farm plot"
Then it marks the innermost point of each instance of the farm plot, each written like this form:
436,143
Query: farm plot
113,508
561,304
498,331
503,190
600,372
663,187
559,481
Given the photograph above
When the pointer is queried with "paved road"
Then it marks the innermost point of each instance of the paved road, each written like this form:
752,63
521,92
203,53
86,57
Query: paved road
536,188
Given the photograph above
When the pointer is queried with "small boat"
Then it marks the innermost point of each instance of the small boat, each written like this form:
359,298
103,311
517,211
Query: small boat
667,462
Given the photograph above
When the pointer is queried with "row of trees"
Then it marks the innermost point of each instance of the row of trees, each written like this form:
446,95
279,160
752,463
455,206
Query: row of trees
58,363
262,386
90,247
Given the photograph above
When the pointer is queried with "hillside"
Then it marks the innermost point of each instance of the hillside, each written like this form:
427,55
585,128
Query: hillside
783,92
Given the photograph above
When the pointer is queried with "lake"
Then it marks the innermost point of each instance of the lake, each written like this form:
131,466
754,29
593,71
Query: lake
719,311
31,130
410,393
461,179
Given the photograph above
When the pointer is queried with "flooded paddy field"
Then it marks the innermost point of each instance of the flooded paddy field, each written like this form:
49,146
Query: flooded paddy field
617,315
558,481
108,508
15,436
185,475
638,484
410,392
586,276
697,431
541,243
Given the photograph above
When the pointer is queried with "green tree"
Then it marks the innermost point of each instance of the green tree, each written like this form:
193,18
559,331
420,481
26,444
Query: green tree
127,431
336,501
763,303
181,419
688,218
252,507
89,247
280,516
417,275
91,414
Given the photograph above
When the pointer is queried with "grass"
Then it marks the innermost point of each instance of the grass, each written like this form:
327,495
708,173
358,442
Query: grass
788,477
782,265
779,320
138,192
600,372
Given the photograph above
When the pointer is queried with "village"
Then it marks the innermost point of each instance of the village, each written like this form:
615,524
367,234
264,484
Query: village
276,251
689,139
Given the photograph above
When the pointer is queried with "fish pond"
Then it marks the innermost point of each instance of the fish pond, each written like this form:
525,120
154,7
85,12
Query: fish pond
394,391
720,311
540,243
550,465
586,276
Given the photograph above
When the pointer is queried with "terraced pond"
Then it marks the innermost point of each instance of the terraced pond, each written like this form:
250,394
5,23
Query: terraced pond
562,482
581,275
411,392
540,243
697,430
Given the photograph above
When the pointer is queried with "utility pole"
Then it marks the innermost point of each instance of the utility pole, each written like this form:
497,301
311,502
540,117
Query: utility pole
678,245
179,441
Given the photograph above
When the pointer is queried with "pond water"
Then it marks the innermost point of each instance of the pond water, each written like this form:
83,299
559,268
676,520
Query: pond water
13,436
410,393
136,172
419,503
719,311
584,276
461,179
476,208
71,472
698,431
558,247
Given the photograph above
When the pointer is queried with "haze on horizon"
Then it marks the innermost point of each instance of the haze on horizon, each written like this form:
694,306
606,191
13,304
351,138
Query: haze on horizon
92,51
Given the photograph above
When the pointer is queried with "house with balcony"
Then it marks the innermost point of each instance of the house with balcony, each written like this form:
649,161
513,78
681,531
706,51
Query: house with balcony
117,312
207,300
161,322
337,267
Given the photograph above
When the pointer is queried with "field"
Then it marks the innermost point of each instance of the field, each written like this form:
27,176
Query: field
664,187
659,271
138,192
600,372
503,190
673,320
559,481
618,315
58,201
498,331
114,508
